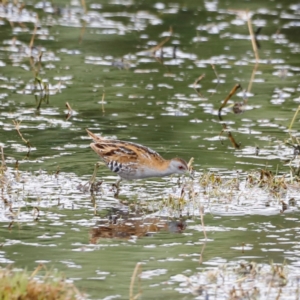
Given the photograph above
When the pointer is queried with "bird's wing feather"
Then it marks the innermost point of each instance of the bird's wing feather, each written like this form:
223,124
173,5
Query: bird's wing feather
125,152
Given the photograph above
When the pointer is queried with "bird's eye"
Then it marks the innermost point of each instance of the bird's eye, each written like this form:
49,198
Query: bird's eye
181,167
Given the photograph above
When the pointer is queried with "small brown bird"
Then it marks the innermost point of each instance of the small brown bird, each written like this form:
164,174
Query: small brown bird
134,161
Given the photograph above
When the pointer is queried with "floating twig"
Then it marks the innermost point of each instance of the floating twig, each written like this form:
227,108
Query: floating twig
230,136
233,142
232,92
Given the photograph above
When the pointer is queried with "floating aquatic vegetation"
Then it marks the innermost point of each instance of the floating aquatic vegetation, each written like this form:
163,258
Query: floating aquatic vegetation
254,193
240,280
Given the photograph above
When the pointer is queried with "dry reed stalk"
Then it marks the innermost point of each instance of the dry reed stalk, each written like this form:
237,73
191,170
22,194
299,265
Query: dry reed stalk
202,221
231,93
254,46
37,269
201,254
82,31
17,127
102,102
232,140
93,178
84,6
190,163
68,106
252,78
33,34
157,47
136,272
215,71
70,111
196,82
3,164
294,118
199,79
